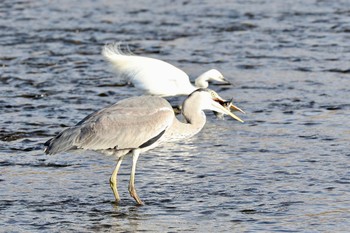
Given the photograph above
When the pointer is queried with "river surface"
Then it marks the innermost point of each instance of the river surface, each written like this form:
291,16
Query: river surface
286,169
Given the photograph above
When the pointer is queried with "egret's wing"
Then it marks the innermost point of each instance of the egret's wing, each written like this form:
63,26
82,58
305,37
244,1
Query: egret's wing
151,75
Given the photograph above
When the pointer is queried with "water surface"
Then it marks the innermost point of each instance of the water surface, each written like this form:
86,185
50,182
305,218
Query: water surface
285,169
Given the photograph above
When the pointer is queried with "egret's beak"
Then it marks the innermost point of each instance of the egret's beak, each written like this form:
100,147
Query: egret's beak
222,82
226,82
218,105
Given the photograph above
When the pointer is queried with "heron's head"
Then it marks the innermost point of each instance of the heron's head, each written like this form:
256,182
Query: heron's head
210,100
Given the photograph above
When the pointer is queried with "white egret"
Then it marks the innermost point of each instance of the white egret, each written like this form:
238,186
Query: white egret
154,76
135,125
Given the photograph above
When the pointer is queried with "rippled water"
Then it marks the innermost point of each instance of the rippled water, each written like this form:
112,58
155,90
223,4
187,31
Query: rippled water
286,169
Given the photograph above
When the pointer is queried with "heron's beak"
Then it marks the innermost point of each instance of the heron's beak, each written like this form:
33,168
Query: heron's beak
218,105
230,105
235,108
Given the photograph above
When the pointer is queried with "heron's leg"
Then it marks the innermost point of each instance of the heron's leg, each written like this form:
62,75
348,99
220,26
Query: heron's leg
113,179
132,189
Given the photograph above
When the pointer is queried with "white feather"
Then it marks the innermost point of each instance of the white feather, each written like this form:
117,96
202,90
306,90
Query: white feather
155,76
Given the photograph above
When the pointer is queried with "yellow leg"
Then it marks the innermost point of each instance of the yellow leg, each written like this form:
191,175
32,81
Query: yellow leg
113,179
132,189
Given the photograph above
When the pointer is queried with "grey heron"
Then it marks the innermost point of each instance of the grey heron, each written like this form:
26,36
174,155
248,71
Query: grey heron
154,76
135,125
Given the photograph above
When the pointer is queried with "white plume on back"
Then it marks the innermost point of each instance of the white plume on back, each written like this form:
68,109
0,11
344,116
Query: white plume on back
151,75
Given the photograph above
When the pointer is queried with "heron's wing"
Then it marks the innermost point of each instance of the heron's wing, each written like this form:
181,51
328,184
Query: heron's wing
123,127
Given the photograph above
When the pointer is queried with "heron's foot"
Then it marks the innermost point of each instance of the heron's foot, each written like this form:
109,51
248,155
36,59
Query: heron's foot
113,185
133,193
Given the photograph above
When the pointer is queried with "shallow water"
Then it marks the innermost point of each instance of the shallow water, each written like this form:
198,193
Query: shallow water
285,169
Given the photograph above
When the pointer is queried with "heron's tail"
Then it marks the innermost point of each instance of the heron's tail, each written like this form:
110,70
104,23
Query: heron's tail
62,142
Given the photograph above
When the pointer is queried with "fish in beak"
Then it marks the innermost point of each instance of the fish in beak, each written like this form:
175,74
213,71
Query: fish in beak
229,105
225,107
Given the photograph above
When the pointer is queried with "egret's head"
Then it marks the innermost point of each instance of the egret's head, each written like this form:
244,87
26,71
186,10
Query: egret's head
210,75
215,75
210,100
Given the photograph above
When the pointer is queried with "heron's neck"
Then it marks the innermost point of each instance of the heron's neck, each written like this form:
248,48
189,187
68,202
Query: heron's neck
195,121
202,81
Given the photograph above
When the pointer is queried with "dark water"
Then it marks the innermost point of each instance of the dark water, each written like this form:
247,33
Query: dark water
286,169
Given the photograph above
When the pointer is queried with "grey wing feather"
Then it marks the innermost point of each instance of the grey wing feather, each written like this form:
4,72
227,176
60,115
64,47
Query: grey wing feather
125,125
124,130
63,141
